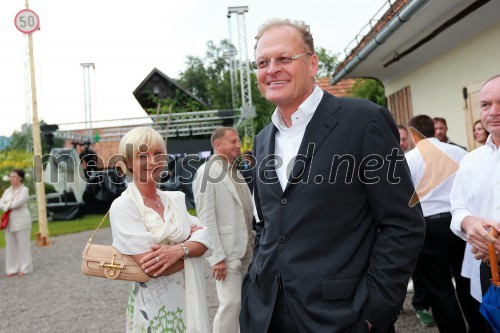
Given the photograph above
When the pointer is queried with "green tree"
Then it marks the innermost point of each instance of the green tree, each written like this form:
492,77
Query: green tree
14,159
369,89
195,78
327,62
209,79
23,140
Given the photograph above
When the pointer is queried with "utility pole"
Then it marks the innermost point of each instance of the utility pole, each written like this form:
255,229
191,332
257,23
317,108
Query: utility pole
27,22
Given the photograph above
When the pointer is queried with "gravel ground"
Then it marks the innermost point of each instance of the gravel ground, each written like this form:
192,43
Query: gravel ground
56,297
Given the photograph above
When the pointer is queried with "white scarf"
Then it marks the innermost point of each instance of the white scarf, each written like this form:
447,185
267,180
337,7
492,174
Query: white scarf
175,231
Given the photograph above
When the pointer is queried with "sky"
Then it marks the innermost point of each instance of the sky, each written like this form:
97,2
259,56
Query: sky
127,39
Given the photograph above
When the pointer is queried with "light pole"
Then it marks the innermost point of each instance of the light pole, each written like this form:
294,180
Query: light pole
230,56
247,109
87,98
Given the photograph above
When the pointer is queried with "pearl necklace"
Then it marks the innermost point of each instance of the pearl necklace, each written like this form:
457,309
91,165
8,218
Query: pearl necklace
157,205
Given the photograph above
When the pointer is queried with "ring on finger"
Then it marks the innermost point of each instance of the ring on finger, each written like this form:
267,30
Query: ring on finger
157,259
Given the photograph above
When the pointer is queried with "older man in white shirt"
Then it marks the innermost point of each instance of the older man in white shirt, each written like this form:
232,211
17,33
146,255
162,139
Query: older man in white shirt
475,197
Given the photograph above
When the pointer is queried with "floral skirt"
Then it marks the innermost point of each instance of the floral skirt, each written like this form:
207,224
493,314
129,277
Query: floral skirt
158,305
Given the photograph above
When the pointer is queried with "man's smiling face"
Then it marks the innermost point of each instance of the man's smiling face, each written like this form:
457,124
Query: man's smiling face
286,85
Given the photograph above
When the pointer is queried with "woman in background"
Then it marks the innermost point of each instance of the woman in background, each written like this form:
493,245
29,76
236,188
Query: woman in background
480,134
163,238
17,234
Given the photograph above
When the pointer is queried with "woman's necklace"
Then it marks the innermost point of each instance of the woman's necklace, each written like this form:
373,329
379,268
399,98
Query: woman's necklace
152,201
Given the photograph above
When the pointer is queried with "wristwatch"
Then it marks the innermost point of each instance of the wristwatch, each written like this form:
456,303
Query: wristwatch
186,250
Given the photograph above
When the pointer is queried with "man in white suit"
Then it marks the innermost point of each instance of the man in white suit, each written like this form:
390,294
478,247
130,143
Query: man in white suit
224,204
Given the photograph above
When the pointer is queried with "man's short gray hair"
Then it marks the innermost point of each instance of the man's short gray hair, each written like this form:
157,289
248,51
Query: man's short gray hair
301,27
220,132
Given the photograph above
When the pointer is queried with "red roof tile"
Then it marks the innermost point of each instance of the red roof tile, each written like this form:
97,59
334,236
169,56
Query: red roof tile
340,89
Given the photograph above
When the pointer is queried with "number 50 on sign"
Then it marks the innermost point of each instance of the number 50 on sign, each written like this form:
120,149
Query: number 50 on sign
27,21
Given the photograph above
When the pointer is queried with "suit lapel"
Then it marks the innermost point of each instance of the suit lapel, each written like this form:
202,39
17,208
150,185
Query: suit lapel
227,181
269,151
320,126
231,188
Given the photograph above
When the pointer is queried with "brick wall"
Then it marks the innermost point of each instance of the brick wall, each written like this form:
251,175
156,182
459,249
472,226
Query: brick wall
105,150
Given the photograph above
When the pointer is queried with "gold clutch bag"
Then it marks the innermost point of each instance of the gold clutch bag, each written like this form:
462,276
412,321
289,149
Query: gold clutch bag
107,262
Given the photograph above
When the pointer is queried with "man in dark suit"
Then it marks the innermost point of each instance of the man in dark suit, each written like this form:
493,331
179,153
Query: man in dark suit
337,240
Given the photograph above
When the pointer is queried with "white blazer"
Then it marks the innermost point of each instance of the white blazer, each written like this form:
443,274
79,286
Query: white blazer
220,209
20,217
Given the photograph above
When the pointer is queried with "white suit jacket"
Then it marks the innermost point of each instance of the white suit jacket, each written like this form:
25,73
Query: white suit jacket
220,209
20,217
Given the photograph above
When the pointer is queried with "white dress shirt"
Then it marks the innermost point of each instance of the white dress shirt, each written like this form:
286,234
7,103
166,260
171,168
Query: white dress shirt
288,139
438,200
476,192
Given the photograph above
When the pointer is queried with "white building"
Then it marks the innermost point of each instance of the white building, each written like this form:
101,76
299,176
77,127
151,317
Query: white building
432,56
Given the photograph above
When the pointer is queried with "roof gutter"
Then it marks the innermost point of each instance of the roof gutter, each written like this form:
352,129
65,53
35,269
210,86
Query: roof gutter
403,16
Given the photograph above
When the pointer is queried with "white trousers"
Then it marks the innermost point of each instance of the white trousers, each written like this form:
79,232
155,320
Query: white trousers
229,293
18,252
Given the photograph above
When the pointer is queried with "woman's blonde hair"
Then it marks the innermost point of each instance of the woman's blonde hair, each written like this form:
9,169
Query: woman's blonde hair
136,140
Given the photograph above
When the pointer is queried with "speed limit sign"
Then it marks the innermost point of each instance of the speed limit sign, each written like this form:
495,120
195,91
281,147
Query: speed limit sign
27,21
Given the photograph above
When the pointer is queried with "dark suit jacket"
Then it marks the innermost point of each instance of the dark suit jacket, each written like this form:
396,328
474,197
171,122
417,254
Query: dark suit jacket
341,236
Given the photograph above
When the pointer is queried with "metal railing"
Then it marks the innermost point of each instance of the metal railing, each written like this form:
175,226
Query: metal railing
368,27
169,125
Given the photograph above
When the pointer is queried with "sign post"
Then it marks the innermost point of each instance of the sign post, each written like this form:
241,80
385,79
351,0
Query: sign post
27,22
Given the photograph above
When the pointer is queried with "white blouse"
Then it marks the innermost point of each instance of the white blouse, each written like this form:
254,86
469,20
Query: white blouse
135,234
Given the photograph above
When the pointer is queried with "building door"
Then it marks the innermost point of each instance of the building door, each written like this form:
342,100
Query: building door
471,93
400,105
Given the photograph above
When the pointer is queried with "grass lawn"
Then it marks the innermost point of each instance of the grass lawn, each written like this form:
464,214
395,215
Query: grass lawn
57,228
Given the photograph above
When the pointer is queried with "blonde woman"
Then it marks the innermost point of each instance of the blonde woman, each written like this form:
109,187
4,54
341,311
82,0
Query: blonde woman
157,230
17,234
